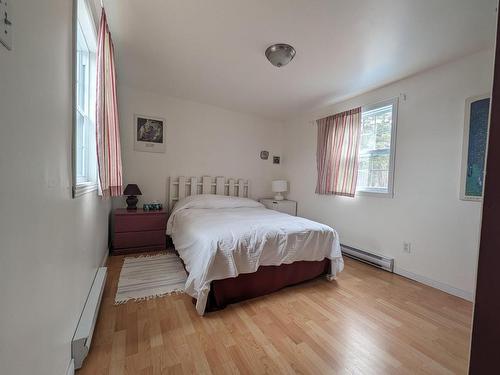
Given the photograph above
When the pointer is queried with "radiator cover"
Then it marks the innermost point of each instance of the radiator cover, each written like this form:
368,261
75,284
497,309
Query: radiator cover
373,259
80,344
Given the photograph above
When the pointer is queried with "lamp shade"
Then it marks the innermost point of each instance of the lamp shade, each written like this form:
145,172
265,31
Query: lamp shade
279,186
132,189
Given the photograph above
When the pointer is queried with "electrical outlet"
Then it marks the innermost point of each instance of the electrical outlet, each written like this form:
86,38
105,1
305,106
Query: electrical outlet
407,247
5,24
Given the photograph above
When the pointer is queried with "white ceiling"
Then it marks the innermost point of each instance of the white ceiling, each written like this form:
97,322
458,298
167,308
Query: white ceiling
212,51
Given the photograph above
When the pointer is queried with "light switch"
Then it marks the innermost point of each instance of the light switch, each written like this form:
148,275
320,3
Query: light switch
5,24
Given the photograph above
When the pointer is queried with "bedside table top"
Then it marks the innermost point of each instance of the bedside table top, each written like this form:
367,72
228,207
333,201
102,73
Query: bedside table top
274,200
139,211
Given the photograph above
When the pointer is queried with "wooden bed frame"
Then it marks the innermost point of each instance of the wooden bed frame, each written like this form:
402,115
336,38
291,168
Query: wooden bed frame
266,279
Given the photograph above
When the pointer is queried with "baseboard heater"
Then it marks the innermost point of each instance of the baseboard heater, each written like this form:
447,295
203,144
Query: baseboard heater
80,344
376,260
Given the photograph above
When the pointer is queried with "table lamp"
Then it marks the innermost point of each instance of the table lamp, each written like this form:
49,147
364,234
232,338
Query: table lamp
132,190
279,186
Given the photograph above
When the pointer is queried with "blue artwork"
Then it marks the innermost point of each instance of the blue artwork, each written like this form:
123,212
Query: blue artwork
476,148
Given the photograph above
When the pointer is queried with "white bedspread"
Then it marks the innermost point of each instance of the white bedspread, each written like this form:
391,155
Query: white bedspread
220,237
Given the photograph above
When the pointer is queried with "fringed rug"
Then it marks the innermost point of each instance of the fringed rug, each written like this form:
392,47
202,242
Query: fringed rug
150,276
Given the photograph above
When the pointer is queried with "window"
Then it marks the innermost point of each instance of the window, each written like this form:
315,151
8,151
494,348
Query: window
84,147
376,148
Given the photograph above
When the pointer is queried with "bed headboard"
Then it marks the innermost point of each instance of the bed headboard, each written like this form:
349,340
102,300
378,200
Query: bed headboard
181,187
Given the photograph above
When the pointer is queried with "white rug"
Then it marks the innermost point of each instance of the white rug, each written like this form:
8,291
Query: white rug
150,276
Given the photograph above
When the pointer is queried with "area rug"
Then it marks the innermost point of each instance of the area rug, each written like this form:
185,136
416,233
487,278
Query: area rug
150,276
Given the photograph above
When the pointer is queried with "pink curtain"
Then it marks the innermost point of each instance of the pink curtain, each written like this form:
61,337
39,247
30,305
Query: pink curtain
337,153
107,126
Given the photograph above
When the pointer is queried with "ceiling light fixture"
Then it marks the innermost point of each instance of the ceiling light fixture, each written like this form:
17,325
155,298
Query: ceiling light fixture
280,54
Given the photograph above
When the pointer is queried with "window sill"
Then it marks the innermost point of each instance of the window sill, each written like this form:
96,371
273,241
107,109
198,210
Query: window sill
83,188
374,193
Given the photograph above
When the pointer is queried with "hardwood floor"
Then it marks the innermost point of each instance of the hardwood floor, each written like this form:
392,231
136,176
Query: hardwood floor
367,322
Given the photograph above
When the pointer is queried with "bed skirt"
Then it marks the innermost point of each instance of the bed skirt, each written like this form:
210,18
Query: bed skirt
265,280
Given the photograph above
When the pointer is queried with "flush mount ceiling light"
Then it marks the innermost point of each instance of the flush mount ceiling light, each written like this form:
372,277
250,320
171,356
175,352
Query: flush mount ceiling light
280,54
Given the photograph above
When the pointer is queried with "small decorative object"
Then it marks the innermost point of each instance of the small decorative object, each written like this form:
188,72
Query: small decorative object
279,186
132,190
264,155
280,54
276,159
155,206
474,147
149,134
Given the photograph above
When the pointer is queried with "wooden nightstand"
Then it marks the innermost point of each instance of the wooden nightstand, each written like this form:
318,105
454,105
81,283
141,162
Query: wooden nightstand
285,206
139,230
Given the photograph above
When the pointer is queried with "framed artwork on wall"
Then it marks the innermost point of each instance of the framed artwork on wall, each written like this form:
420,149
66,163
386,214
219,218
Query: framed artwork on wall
149,134
477,114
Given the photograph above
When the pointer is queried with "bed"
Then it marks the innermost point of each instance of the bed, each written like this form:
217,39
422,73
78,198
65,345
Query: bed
233,248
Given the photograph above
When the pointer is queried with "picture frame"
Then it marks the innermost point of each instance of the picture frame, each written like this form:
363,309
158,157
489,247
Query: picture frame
475,139
149,133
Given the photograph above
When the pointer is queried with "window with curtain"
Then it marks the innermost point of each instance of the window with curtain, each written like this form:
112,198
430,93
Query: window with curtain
84,145
377,148
355,151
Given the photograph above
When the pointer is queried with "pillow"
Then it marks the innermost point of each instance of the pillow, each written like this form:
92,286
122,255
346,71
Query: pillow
209,201
215,201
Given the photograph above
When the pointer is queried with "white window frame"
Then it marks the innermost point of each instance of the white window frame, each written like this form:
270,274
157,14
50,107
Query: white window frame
377,192
90,182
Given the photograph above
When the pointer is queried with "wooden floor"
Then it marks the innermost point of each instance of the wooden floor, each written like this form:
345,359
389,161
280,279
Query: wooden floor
367,322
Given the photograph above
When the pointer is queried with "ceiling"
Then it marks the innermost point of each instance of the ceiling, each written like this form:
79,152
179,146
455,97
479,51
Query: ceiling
213,51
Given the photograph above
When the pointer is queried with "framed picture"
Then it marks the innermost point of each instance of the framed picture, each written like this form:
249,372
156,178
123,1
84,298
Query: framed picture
477,111
149,134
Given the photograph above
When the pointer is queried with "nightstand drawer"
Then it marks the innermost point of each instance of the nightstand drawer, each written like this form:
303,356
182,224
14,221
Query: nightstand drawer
137,223
139,239
284,206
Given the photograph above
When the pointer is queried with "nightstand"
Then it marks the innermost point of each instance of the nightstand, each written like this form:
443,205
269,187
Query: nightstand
285,206
137,230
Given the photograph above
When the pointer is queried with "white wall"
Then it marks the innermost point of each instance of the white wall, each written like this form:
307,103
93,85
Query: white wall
50,244
201,140
426,209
